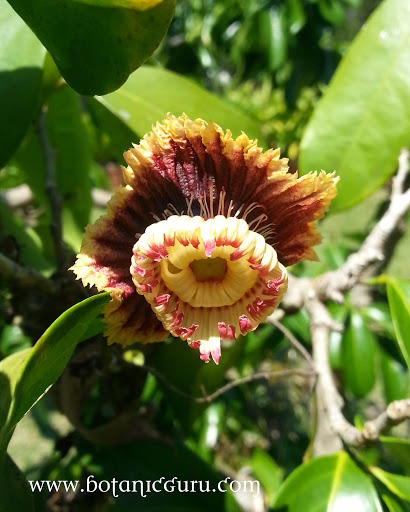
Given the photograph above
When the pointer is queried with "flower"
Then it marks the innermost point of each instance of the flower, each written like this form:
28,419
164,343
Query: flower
197,242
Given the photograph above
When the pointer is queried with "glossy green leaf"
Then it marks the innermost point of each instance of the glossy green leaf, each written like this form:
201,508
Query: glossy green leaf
399,449
362,122
395,378
273,35
398,484
332,483
296,16
358,356
392,504
25,376
398,293
151,93
339,314
21,61
332,11
96,44
15,493
379,317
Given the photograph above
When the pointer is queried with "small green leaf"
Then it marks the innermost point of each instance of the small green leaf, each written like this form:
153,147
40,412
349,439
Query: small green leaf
13,339
395,378
362,122
399,449
332,11
151,93
398,293
332,483
358,355
96,44
273,35
21,61
15,493
26,375
296,16
266,471
398,484
339,314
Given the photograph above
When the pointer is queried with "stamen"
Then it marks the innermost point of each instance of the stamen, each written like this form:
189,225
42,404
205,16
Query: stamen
189,206
230,208
172,210
250,209
255,223
204,209
211,200
267,232
221,204
156,217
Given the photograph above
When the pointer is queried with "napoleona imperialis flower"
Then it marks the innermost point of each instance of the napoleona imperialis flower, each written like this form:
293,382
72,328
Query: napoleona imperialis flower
197,241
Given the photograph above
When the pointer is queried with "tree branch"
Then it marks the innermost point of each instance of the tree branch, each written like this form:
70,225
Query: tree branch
52,192
237,382
333,429
20,196
24,277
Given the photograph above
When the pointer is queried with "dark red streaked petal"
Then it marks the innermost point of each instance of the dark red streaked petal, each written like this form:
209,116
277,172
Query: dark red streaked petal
130,320
193,154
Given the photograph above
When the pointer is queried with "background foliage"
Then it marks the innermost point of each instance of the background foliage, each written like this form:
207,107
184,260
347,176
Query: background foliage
325,80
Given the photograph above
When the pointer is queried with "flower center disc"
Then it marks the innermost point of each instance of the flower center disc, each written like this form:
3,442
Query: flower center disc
211,270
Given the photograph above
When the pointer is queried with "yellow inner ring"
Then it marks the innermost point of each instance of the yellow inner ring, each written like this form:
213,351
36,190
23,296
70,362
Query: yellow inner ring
203,281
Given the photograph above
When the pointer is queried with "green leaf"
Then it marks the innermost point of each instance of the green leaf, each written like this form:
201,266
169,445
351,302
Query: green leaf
332,11
112,136
358,355
28,245
392,504
399,449
395,378
339,313
379,317
21,61
332,483
13,339
398,484
26,375
73,160
151,93
96,44
398,293
273,35
267,472
15,493
362,122
296,16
